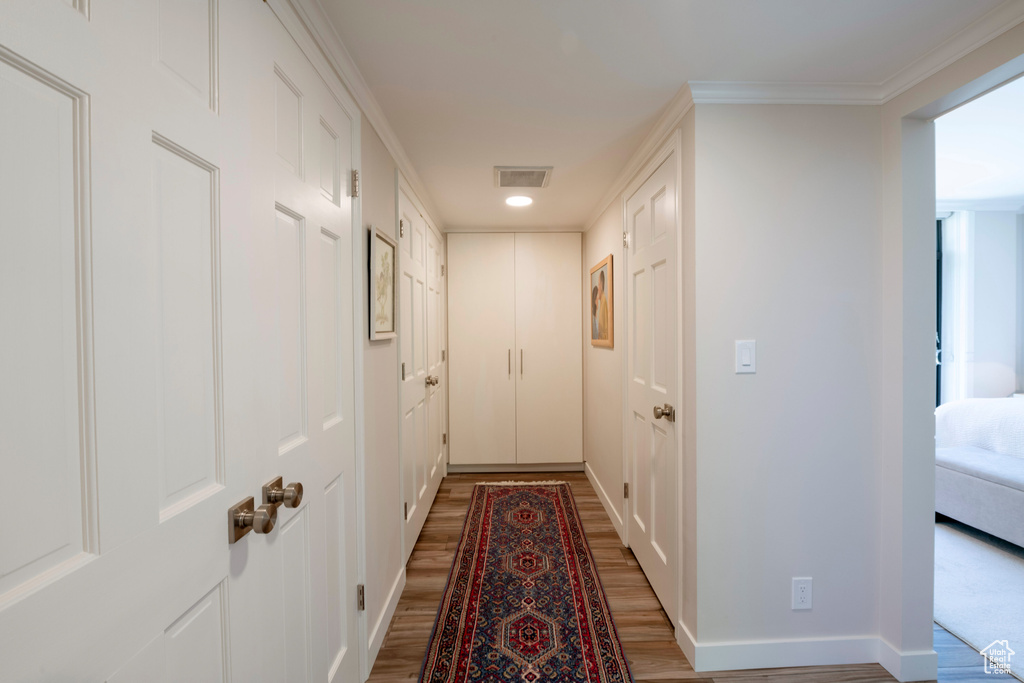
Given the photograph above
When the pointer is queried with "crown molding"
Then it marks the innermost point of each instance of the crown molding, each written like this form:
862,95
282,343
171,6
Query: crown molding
670,118
314,19
749,92
988,27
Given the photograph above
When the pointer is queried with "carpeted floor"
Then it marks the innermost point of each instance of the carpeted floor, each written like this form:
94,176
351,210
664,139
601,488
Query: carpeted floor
979,589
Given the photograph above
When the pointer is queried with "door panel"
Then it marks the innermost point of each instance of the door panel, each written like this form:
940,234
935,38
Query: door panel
413,340
481,321
652,372
46,364
419,338
549,340
185,209
178,305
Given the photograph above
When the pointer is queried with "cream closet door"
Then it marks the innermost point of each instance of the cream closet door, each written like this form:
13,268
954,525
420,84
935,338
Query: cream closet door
549,339
651,374
167,346
482,334
419,340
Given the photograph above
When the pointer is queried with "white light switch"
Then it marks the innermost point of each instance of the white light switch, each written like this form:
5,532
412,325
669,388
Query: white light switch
746,356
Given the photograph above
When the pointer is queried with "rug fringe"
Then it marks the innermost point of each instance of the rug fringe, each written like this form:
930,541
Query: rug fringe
519,483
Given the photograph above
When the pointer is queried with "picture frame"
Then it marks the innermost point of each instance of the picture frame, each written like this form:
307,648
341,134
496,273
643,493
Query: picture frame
383,266
602,304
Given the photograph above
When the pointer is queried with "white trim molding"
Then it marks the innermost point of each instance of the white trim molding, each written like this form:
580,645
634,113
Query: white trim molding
989,26
609,506
750,92
380,628
669,120
774,654
907,666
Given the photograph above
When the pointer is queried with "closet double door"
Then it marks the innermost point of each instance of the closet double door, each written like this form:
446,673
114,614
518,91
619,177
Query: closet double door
515,332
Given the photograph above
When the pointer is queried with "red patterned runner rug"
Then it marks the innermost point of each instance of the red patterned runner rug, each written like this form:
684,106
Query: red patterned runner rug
523,601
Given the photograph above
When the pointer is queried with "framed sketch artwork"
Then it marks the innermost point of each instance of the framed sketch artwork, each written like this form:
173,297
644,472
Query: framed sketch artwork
382,285
602,303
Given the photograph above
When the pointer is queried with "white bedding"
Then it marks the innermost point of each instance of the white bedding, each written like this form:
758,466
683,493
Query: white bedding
995,424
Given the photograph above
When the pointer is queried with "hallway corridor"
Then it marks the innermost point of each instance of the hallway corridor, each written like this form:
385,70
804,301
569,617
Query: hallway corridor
646,632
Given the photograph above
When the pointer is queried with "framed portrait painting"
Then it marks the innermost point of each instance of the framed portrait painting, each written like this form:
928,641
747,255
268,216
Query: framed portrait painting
383,252
602,305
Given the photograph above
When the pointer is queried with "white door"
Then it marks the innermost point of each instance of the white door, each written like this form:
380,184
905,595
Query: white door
482,334
549,339
420,358
167,347
437,426
304,312
651,378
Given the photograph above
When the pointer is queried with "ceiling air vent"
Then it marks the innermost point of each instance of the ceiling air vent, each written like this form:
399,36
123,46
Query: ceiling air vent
522,176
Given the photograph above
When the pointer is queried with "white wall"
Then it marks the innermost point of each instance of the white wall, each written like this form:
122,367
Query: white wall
995,304
602,370
385,571
787,205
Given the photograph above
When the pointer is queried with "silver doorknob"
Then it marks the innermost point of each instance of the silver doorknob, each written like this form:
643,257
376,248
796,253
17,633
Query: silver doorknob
242,519
666,411
275,493
433,380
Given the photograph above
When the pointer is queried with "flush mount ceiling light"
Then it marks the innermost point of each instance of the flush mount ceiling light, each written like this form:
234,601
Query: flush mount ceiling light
519,201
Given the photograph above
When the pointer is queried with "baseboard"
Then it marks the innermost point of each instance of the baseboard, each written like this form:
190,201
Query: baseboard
380,628
556,467
687,643
775,654
920,665
614,513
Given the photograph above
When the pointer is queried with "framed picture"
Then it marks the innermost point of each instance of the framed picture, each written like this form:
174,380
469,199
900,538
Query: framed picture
382,285
602,305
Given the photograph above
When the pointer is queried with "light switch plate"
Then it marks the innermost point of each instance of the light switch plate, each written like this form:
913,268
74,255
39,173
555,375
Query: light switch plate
746,356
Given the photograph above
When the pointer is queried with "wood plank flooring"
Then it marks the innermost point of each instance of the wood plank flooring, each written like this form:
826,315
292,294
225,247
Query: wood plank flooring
645,630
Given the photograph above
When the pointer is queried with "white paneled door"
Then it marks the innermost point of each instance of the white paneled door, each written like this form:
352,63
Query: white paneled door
175,286
652,384
420,335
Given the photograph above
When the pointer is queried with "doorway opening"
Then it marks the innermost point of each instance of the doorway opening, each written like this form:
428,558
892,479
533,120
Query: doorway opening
979,473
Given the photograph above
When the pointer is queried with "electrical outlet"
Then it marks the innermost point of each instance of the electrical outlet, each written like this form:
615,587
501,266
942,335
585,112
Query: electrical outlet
802,593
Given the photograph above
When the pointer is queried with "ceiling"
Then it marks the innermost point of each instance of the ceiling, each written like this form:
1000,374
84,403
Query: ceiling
576,84
979,153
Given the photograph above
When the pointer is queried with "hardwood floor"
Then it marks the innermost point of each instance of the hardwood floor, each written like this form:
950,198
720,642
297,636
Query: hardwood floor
645,630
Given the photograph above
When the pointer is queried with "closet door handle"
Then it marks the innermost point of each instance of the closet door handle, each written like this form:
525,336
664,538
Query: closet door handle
520,362
510,362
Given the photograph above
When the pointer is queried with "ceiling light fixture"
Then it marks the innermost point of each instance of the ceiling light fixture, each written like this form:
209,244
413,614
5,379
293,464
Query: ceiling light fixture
519,201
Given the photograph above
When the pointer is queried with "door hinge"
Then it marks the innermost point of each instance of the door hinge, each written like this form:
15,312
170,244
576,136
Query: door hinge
355,183
444,439
443,355
403,371
442,270
625,240
360,598
625,490
406,511
401,228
